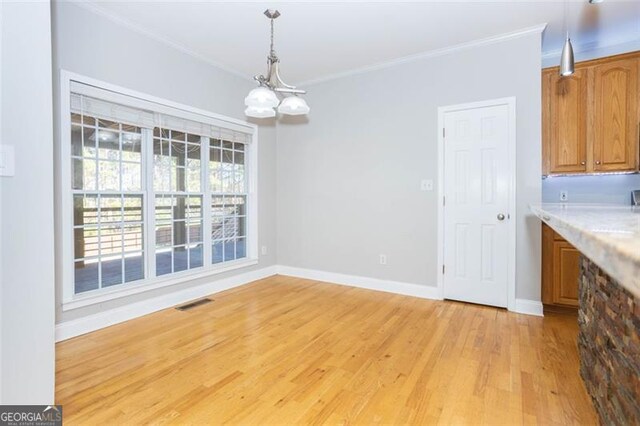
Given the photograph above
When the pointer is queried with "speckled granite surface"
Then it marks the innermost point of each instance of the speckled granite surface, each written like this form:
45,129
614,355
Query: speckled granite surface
609,235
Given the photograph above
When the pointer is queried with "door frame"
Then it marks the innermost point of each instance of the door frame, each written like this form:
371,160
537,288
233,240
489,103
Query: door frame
510,102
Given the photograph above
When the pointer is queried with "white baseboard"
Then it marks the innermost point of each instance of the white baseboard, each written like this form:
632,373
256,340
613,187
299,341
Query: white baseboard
72,328
528,307
407,289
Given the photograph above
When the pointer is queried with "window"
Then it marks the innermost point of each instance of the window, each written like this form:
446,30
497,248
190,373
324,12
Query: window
156,193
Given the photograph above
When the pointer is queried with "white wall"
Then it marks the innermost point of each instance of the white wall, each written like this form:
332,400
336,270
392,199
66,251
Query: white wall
26,207
94,46
348,180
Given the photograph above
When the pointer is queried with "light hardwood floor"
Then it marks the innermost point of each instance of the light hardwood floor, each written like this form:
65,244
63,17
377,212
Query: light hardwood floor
291,351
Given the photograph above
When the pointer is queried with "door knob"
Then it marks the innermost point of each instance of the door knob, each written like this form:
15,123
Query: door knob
500,216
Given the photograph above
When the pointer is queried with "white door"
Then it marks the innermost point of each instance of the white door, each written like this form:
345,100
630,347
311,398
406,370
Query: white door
476,190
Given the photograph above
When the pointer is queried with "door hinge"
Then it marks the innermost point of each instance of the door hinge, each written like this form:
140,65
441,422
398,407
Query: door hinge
443,132
444,202
442,269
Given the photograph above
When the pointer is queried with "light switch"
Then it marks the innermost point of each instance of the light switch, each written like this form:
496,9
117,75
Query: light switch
426,185
7,160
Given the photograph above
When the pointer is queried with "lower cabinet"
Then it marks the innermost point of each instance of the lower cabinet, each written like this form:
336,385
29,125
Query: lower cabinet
560,271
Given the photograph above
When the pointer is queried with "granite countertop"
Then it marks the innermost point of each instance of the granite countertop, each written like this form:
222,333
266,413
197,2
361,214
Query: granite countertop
609,235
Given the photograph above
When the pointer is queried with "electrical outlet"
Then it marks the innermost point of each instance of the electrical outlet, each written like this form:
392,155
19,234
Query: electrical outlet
383,259
426,185
263,250
564,195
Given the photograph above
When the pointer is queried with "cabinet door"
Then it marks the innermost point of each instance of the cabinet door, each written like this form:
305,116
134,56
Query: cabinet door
615,115
565,119
566,273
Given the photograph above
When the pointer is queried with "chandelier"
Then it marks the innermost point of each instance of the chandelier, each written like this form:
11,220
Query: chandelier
263,101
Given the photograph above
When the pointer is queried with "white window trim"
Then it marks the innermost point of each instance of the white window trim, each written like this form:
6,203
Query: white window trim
70,300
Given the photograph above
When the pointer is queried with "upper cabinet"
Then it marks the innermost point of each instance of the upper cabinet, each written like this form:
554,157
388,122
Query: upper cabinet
615,118
590,120
565,118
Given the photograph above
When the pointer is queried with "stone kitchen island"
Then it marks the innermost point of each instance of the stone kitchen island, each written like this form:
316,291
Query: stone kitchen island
608,237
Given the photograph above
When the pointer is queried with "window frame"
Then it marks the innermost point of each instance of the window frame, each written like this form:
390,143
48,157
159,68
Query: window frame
64,203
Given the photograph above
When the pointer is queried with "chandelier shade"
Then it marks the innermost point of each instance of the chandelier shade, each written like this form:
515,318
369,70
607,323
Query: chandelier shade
261,97
567,63
260,112
293,105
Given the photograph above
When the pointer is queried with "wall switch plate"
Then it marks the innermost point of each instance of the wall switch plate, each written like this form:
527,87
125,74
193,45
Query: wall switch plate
7,160
426,185
383,259
564,195
263,250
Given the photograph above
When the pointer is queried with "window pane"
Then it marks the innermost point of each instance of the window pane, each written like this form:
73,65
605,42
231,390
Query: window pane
195,231
193,170
180,255
132,147
110,240
85,209
134,267
110,209
161,166
131,177
85,242
241,248
108,124
229,250
217,252
133,208
132,236
108,145
85,276
83,174
108,176
195,256
179,207
242,226
216,228
164,208
111,270
163,235
89,142
163,261
76,141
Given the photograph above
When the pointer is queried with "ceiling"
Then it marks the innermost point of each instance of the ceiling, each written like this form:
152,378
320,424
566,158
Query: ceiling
316,40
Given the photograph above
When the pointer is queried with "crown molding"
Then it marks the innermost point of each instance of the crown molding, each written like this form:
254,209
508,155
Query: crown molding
537,29
98,10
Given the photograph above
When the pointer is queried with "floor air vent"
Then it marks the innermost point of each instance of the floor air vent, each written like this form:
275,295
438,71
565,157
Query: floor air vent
193,304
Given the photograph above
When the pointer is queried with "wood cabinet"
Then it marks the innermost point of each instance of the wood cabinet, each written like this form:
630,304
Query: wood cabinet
565,116
615,118
560,270
590,121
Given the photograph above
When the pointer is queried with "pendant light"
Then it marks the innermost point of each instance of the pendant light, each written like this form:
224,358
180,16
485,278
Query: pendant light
262,101
567,63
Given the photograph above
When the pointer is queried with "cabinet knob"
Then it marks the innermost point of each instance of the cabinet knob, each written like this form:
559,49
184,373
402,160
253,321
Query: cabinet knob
597,162
582,163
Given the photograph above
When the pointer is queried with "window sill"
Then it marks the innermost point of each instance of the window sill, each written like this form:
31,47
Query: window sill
125,290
